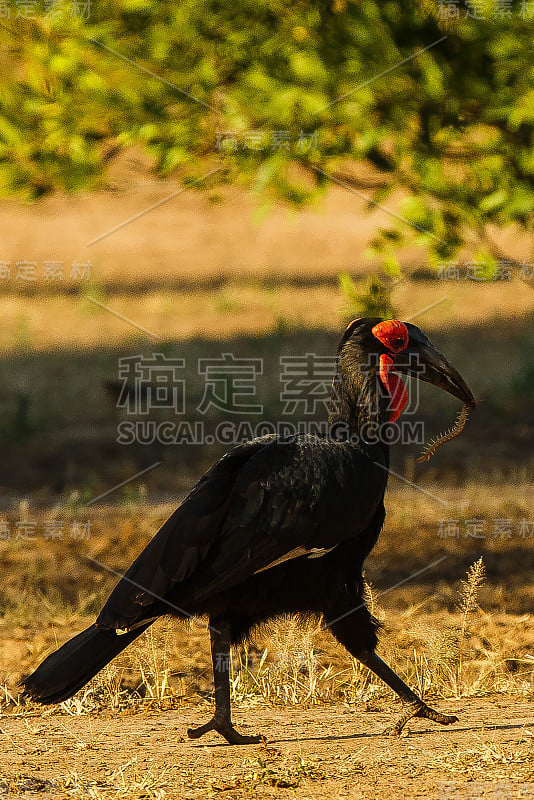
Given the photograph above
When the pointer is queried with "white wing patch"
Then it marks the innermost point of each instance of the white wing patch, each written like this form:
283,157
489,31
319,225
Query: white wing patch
317,552
314,552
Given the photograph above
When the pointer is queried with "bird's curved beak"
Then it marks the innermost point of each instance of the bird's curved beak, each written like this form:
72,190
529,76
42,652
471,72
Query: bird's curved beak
425,362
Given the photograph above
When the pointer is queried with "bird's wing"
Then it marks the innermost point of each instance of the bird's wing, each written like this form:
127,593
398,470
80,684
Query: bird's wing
297,498
181,543
265,501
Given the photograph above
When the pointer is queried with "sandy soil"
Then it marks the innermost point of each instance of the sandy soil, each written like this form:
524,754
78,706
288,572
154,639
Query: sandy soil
330,752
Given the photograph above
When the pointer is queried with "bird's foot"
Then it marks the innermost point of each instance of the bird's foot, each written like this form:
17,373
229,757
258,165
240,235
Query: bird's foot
419,710
227,730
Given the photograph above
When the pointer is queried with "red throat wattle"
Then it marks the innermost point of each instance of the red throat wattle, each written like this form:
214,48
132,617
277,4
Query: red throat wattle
394,385
394,335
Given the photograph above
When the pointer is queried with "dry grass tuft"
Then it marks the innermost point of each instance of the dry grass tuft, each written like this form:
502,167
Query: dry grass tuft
491,758
271,769
129,780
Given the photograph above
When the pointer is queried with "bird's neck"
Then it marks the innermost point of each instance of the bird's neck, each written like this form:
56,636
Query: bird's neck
361,405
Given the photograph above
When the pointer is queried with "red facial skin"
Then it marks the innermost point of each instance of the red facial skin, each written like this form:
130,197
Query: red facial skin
394,335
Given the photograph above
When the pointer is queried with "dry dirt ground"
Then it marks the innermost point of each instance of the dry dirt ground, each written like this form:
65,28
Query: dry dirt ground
330,752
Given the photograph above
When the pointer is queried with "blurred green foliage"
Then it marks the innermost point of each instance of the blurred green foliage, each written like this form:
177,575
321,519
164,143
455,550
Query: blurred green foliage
371,299
274,92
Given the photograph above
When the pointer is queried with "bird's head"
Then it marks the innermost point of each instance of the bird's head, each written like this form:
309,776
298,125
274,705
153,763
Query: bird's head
371,354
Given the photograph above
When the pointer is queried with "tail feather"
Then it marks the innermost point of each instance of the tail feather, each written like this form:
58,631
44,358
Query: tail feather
75,663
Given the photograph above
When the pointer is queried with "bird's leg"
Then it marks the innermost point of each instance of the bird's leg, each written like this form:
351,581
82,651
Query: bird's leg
414,706
358,635
221,720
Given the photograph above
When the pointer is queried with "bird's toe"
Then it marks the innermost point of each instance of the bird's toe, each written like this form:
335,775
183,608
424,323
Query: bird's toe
227,731
393,730
196,733
436,716
234,737
421,711
447,719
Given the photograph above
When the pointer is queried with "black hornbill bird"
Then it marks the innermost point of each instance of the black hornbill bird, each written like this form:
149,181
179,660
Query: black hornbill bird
279,525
